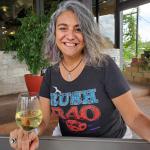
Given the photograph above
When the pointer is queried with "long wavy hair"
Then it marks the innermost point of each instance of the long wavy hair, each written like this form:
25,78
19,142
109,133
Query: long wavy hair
94,42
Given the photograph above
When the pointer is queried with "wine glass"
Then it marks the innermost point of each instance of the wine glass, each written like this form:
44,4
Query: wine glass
28,112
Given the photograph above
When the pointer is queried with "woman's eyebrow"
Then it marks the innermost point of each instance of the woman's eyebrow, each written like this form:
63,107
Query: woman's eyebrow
63,24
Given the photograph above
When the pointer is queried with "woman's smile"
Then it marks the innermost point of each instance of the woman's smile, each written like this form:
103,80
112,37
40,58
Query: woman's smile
68,44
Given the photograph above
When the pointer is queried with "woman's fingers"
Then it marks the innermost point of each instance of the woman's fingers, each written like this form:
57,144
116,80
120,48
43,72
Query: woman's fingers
22,140
19,140
34,141
25,142
13,136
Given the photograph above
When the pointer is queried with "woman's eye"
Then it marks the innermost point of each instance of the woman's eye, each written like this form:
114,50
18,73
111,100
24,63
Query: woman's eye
62,29
78,30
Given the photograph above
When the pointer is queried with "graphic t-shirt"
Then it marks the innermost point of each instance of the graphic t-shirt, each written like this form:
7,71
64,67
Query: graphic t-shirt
84,105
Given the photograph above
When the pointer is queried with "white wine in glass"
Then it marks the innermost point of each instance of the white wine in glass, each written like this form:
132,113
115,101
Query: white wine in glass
28,112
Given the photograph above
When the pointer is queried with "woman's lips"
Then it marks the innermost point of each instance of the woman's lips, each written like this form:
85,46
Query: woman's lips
70,44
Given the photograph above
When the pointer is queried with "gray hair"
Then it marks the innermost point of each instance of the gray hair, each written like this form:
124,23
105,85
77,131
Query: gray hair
94,42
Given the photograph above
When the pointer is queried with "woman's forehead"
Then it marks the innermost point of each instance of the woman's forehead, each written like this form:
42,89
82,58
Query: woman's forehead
67,17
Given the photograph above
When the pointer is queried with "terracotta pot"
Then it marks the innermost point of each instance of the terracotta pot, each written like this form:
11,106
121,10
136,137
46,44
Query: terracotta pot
33,82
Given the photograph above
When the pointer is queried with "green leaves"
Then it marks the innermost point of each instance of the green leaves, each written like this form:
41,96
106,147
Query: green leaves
28,41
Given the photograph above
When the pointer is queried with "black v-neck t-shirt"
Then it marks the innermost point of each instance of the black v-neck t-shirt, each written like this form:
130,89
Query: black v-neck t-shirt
84,105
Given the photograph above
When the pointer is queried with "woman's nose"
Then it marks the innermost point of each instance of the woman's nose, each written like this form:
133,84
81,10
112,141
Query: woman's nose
70,35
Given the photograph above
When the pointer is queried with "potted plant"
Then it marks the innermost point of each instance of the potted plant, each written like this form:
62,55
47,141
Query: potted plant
27,43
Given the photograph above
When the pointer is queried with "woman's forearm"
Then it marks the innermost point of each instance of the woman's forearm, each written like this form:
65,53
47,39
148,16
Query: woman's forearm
141,126
5,129
44,129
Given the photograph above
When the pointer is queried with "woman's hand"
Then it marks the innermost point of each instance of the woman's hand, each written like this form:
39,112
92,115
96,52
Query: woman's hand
22,140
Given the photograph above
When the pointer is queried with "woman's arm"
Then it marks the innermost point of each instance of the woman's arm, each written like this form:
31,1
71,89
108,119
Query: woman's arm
5,129
45,106
132,115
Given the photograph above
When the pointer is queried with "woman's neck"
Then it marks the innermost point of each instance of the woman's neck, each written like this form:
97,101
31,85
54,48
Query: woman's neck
70,61
71,68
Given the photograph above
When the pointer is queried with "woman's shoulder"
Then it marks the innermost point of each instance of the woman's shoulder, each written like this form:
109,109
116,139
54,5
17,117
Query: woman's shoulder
104,62
52,67
108,61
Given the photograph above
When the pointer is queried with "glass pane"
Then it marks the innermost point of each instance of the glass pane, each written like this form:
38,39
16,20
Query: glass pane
129,34
107,27
106,19
136,37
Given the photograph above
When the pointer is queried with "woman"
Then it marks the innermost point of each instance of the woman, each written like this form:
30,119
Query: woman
84,87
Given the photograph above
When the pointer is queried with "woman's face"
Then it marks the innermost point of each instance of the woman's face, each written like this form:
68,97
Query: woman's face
69,37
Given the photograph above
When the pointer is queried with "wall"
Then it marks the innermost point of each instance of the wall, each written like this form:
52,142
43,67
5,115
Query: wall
137,75
11,74
138,71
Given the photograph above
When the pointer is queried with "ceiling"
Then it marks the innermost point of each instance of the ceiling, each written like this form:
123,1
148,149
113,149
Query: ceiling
107,7
11,9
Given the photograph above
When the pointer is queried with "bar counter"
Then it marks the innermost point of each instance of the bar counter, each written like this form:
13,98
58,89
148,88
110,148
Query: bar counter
78,143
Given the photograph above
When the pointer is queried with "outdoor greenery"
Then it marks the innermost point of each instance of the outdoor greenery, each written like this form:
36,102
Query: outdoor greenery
28,40
146,46
129,38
